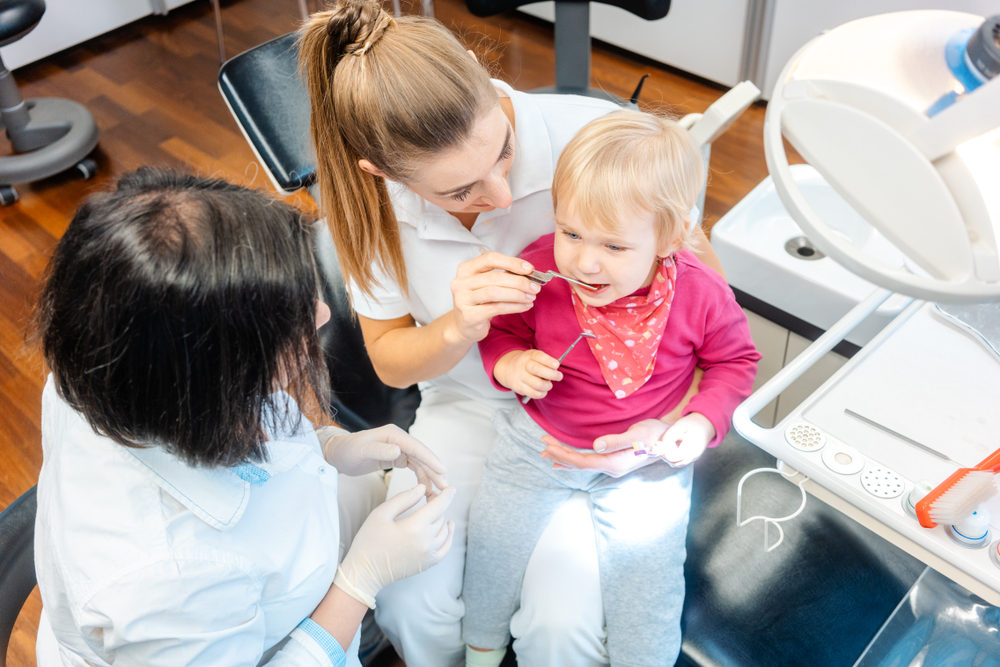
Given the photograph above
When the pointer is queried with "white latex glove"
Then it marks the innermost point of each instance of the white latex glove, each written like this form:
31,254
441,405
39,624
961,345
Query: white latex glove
387,549
380,448
685,441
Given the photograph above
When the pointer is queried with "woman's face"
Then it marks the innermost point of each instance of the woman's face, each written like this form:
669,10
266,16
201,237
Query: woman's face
472,177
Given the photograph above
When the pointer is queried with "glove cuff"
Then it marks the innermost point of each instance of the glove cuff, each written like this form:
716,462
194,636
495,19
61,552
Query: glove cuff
343,583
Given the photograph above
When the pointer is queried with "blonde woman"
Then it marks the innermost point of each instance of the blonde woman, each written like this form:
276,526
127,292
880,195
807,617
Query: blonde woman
433,176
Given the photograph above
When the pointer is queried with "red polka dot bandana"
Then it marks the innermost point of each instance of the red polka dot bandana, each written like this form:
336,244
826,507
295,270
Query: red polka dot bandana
629,331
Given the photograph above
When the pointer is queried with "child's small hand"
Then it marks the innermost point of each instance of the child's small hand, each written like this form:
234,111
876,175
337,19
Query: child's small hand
686,440
527,372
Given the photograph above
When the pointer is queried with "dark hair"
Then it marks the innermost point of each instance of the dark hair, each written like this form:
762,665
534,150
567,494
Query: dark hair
173,304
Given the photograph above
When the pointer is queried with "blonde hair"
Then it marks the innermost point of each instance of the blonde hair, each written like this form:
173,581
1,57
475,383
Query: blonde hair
390,91
631,162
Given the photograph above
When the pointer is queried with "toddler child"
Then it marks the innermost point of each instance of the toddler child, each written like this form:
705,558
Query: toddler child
622,192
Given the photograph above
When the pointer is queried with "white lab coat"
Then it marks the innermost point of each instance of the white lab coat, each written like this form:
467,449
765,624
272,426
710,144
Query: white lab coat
145,560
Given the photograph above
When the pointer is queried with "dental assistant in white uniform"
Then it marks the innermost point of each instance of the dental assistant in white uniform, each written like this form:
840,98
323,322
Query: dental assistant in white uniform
439,212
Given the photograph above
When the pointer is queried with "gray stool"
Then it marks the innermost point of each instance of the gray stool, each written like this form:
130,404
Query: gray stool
48,135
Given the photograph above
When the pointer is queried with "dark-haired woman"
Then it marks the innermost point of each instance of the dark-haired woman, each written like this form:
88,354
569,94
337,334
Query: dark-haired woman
433,176
187,511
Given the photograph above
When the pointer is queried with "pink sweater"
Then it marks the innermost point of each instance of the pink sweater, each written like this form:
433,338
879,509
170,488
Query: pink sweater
706,328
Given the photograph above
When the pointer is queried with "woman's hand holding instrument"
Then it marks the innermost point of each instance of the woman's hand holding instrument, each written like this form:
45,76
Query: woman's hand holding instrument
380,448
387,548
486,286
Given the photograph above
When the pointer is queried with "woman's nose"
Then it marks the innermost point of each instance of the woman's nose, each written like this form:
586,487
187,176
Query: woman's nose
498,191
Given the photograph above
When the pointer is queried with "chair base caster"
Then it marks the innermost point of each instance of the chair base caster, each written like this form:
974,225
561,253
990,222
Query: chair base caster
8,195
87,168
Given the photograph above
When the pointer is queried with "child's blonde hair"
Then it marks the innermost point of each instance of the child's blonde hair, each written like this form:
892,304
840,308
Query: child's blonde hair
631,162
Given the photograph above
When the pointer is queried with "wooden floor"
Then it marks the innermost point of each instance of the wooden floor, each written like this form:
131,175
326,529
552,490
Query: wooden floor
152,89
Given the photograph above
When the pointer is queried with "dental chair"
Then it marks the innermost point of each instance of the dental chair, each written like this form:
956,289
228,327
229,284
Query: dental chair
818,599
572,35
17,562
263,91
48,135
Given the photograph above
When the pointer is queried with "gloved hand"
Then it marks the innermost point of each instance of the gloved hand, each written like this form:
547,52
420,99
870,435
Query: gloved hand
380,448
387,549
686,440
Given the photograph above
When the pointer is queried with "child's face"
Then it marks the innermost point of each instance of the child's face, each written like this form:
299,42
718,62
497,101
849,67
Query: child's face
620,263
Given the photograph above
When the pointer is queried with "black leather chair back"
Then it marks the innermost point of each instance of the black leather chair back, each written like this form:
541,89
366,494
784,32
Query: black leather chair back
269,101
17,562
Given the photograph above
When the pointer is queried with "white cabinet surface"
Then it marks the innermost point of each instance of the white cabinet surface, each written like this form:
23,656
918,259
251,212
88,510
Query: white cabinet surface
704,37
778,347
69,22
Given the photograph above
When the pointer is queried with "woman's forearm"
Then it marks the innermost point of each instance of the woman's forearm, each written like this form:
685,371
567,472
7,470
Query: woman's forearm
404,354
339,614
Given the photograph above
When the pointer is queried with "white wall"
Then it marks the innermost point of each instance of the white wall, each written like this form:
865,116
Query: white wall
704,37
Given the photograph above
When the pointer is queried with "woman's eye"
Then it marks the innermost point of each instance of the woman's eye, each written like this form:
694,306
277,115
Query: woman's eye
462,195
507,151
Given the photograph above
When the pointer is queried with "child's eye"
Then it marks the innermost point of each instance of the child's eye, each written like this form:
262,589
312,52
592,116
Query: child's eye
462,195
616,248
572,236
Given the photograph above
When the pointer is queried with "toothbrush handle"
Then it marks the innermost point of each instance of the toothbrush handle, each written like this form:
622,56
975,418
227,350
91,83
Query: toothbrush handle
990,462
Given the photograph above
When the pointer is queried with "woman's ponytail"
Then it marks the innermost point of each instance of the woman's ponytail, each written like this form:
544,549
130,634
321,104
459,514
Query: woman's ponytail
375,85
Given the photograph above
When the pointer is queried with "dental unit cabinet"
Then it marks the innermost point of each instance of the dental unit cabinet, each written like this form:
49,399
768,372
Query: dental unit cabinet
898,118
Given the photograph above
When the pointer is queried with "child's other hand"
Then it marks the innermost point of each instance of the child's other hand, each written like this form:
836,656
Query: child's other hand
686,440
527,372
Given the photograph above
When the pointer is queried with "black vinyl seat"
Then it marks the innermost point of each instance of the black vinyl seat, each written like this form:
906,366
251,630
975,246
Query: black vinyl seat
18,18
266,95
17,562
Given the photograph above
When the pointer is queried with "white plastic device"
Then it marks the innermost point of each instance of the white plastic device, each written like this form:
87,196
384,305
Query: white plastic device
863,105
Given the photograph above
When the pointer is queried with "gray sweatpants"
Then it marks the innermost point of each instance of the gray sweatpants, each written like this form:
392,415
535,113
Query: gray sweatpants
640,521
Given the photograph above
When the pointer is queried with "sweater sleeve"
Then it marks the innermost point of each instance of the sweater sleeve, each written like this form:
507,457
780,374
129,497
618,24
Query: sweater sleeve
729,358
507,333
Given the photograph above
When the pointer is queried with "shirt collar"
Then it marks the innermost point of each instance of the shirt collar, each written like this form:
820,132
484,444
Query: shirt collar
530,172
532,169
219,496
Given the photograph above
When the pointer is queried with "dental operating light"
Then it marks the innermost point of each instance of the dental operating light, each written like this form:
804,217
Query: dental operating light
900,113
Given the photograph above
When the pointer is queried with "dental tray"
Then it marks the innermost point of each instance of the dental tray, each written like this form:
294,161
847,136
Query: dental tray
921,377
938,623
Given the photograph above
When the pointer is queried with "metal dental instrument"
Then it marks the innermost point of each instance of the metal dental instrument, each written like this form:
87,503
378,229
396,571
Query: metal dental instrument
585,334
898,435
540,278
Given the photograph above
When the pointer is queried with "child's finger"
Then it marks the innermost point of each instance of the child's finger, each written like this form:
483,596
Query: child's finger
543,371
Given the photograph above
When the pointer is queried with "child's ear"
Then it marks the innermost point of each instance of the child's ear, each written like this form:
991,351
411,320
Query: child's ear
669,248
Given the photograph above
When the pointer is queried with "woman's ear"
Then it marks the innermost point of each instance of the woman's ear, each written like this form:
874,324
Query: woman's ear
371,169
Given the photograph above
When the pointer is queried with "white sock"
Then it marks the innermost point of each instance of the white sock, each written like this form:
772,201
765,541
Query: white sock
491,658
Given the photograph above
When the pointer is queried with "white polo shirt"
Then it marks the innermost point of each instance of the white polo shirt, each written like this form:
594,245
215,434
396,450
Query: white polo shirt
434,241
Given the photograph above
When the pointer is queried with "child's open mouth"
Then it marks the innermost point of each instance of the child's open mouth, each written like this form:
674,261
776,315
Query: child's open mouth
595,289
